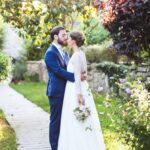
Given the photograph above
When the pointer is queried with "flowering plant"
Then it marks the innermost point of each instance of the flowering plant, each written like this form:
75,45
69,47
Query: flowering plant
135,110
82,113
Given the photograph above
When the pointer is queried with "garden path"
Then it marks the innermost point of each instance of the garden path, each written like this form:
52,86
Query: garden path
28,120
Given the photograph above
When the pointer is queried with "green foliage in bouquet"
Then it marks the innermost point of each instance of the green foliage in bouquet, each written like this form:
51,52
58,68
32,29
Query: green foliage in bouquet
81,113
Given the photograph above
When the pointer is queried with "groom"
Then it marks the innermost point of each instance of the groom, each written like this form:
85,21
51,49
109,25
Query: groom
56,61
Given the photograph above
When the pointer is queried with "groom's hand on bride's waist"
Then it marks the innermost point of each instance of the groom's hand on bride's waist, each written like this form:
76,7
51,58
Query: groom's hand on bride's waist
83,76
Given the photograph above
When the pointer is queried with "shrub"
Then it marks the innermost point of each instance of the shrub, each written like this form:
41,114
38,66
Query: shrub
19,71
100,53
109,54
114,142
114,72
147,86
31,78
7,134
93,54
5,66
135,112
95,32
1,38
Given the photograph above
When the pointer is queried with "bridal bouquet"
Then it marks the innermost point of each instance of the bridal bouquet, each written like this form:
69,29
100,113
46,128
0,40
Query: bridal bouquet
81,113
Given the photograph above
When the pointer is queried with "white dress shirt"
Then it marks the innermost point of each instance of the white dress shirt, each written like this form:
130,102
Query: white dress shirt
59,49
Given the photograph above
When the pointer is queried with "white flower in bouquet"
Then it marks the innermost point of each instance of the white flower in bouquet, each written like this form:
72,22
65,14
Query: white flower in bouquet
82,113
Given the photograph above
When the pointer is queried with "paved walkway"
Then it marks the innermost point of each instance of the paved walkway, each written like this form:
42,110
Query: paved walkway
29,121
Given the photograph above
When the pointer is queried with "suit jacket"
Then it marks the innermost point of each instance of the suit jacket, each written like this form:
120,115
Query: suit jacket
57,73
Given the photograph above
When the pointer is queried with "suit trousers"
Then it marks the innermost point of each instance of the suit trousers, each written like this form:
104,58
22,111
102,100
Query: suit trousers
55,119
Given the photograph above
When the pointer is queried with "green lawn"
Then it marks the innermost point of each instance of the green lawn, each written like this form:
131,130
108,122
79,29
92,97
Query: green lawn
106,111
36,92
7,135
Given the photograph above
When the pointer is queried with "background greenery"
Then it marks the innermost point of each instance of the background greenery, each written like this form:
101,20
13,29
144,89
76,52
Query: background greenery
128,23
125,124
7,135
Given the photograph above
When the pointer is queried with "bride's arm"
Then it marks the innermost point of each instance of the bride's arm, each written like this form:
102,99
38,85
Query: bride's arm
77,62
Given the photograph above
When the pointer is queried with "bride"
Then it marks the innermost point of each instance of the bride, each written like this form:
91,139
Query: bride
76,134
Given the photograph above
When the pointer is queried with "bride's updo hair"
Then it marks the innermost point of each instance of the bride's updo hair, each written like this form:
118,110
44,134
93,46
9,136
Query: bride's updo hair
78,37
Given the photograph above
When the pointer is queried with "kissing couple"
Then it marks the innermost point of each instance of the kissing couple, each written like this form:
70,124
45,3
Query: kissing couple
74,122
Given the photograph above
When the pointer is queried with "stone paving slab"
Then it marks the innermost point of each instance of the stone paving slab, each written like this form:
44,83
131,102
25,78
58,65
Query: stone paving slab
29,121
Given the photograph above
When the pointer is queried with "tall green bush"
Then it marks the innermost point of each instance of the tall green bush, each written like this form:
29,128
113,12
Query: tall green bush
19,71
5,61
94,31
5,66
1,33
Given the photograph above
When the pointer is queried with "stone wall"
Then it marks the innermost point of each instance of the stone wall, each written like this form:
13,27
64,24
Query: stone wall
37,67
144,71
97,79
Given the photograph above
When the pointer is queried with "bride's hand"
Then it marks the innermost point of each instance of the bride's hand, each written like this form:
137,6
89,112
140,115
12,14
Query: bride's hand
83,76
81,99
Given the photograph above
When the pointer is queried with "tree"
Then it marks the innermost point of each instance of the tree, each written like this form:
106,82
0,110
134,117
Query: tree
1,34
129,25
36,18
5,61
5,66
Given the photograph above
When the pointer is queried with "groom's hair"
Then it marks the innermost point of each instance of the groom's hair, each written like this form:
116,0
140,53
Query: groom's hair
55,31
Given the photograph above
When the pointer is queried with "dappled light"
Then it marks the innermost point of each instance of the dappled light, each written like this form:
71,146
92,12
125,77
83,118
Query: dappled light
48,47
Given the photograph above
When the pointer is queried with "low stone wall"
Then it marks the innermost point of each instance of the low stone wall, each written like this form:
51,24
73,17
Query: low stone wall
97,79
144,71
37,67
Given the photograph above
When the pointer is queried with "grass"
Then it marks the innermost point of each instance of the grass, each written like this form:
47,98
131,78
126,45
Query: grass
106,110
36,92
7,135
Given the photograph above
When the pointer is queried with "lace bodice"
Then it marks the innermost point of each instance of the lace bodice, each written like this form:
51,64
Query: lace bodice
77,65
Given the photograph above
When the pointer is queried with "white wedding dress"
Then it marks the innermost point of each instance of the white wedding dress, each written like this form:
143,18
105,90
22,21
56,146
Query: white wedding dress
76,135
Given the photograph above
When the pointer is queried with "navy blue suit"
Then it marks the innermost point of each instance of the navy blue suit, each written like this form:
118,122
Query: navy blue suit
58,76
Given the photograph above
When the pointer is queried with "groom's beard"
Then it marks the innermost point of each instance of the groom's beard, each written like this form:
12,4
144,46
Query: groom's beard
63,43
